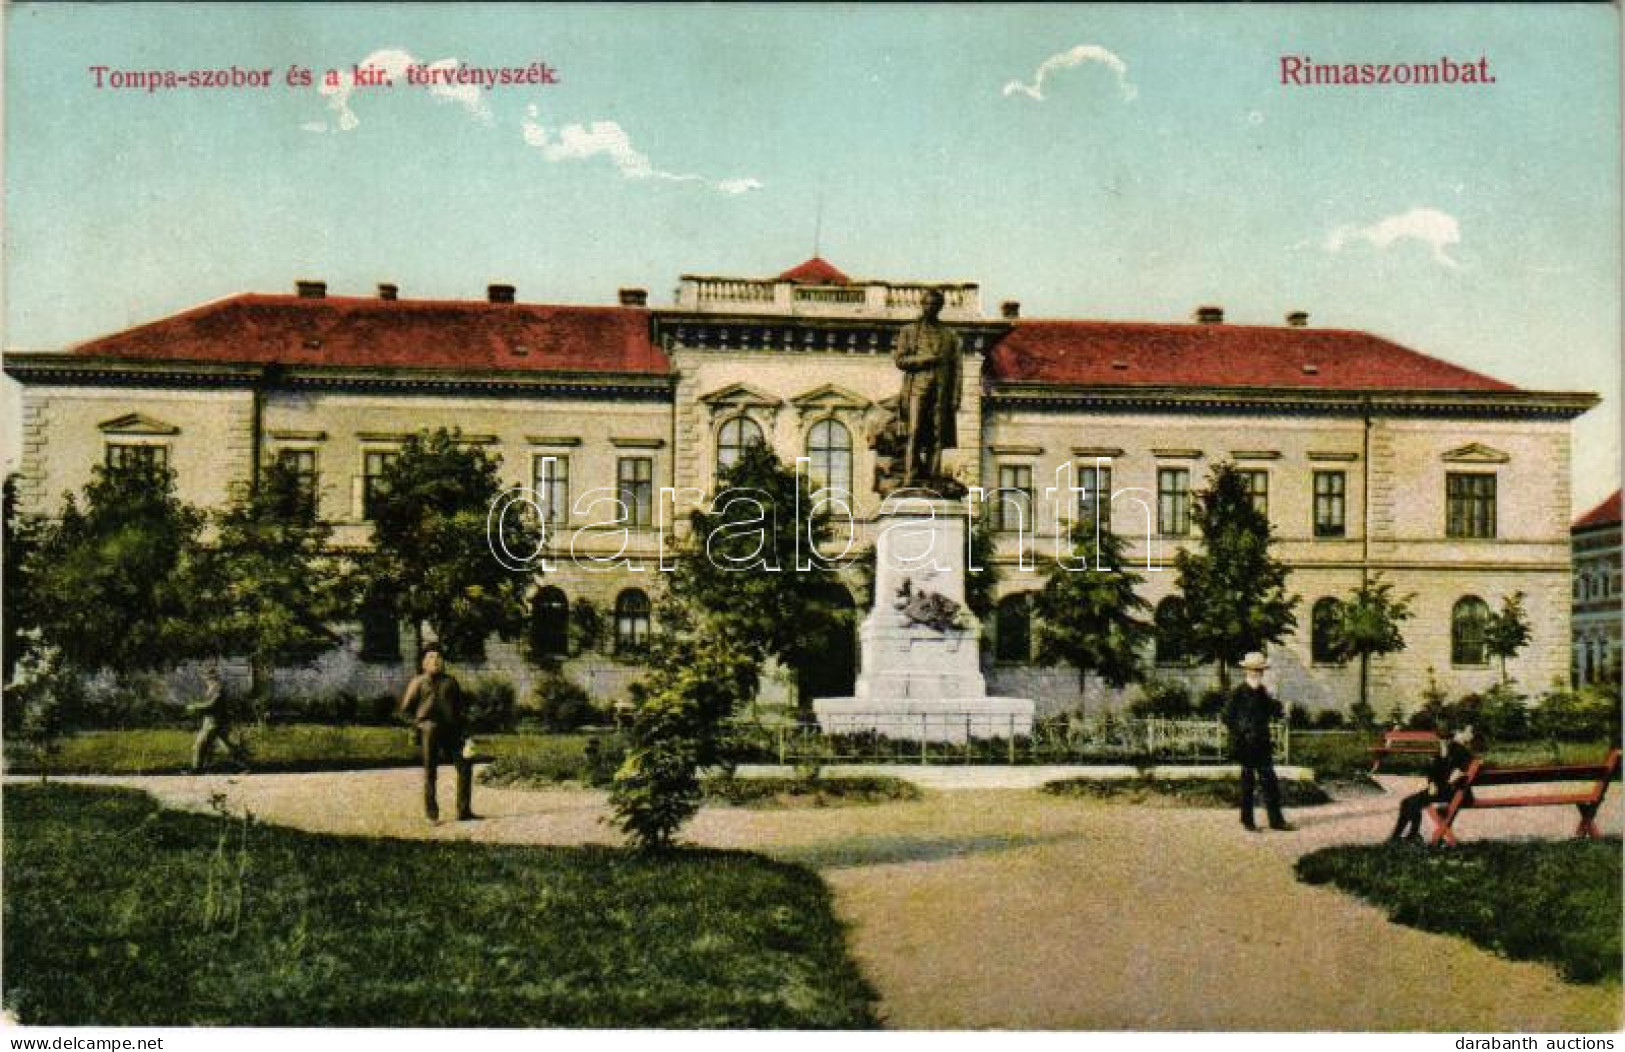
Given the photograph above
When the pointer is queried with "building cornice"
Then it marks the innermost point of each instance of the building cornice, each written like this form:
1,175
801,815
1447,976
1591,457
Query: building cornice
1550,405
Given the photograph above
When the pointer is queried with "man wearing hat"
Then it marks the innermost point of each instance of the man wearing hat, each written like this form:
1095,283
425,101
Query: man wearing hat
1247,716
1445,774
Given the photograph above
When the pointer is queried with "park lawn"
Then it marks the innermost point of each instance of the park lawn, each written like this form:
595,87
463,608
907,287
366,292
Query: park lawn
1340,755
1553,901
1180,792
119,913
797,792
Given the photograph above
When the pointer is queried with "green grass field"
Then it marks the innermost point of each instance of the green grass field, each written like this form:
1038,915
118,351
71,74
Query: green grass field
1180,792
119,913
1553,901
1339,755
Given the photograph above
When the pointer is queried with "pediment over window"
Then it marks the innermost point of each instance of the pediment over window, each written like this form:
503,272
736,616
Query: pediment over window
829,396
1475,453
136,424
740,396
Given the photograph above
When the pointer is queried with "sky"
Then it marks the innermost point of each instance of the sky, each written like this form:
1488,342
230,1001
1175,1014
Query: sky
1098,161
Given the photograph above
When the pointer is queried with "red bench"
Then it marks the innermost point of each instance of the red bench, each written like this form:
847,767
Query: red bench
1479,775
1404,743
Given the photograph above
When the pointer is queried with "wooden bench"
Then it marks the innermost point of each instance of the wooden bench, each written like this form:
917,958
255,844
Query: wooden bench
1480,774
1404,743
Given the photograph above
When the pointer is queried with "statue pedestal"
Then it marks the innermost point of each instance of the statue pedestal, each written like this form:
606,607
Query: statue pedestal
919,681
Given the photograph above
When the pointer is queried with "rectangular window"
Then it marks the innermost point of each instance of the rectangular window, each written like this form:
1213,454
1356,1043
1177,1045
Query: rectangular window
1094,497
1174,502
1331,492
634,487
1470,505
1013,502
130,454
373,465
1258,488
302,463
551,481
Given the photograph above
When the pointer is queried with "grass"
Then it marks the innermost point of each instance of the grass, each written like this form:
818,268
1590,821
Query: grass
1555,901
119,913
1181,792
775,793
537,761
1340,755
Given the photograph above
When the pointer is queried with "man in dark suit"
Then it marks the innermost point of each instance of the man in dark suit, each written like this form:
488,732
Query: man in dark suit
1445,775
434,701
1247,715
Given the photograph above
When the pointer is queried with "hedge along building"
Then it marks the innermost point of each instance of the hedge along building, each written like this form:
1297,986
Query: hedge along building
1366,456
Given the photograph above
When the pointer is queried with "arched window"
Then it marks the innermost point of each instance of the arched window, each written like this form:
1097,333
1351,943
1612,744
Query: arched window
631,621
1322,629
732,439
1168,622
550,623
1467,631
1013,629
829,447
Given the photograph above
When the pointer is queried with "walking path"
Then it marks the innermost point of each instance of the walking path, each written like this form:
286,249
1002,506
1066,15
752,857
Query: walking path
1013,909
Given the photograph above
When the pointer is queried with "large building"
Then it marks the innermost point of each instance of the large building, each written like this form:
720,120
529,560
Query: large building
1367,456
1598,590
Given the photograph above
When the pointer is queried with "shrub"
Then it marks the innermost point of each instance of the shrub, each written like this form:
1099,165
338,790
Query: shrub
1363,716
1212,702
1297,717
560,704
1583,715
491,705
1163,699
1328,720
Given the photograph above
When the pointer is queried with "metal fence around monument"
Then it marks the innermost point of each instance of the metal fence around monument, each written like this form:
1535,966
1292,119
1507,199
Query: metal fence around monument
976,738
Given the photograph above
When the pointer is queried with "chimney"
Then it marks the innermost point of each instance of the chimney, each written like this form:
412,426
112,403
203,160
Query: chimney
499,293
311,290
1298,319
1209,315
634,297
387,291
1010,309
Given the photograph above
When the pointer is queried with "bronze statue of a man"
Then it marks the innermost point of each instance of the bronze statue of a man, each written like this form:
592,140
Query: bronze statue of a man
927,352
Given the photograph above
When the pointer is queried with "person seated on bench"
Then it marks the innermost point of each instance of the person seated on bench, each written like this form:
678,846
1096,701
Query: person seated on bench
1445,775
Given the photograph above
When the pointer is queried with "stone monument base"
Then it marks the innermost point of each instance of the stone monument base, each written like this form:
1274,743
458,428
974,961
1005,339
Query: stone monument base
940,719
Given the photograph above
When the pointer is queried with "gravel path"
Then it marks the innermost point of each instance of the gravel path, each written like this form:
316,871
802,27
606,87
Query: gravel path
1011,909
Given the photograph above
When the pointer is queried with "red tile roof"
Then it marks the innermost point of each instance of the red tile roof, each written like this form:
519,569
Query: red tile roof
815,272
433,334
1604,514
1121,354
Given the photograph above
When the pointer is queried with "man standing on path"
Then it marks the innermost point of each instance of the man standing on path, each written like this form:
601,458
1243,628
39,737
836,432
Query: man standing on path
434,701
1247,716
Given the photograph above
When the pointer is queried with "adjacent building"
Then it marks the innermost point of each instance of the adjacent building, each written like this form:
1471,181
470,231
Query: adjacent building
1598,594
1367,456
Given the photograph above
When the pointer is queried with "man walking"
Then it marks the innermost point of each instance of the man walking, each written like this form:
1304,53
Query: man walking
434,701
1247,716
216,726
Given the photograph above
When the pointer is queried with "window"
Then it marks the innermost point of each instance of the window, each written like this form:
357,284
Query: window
1094,497
1168,622
735,435
1323,632
130,455
1258,488
631,621
550,623
380,630
374,463
1331,495
1013,631
829,447
1470,505
1174,502
551,482
301,464
634,487
1467,631
1013,500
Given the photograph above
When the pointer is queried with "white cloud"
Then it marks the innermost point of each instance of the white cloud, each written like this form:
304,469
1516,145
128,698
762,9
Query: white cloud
394,62
578,142
1066,60
1438,230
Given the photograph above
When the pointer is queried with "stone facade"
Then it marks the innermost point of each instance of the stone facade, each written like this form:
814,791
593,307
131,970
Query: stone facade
1598,587
805,360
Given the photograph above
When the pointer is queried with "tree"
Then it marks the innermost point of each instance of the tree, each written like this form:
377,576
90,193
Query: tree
1507,631
1091,617
44,704
22,538
111,575
267,588
694,683
432,554
1234,590
1367,624
746,579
